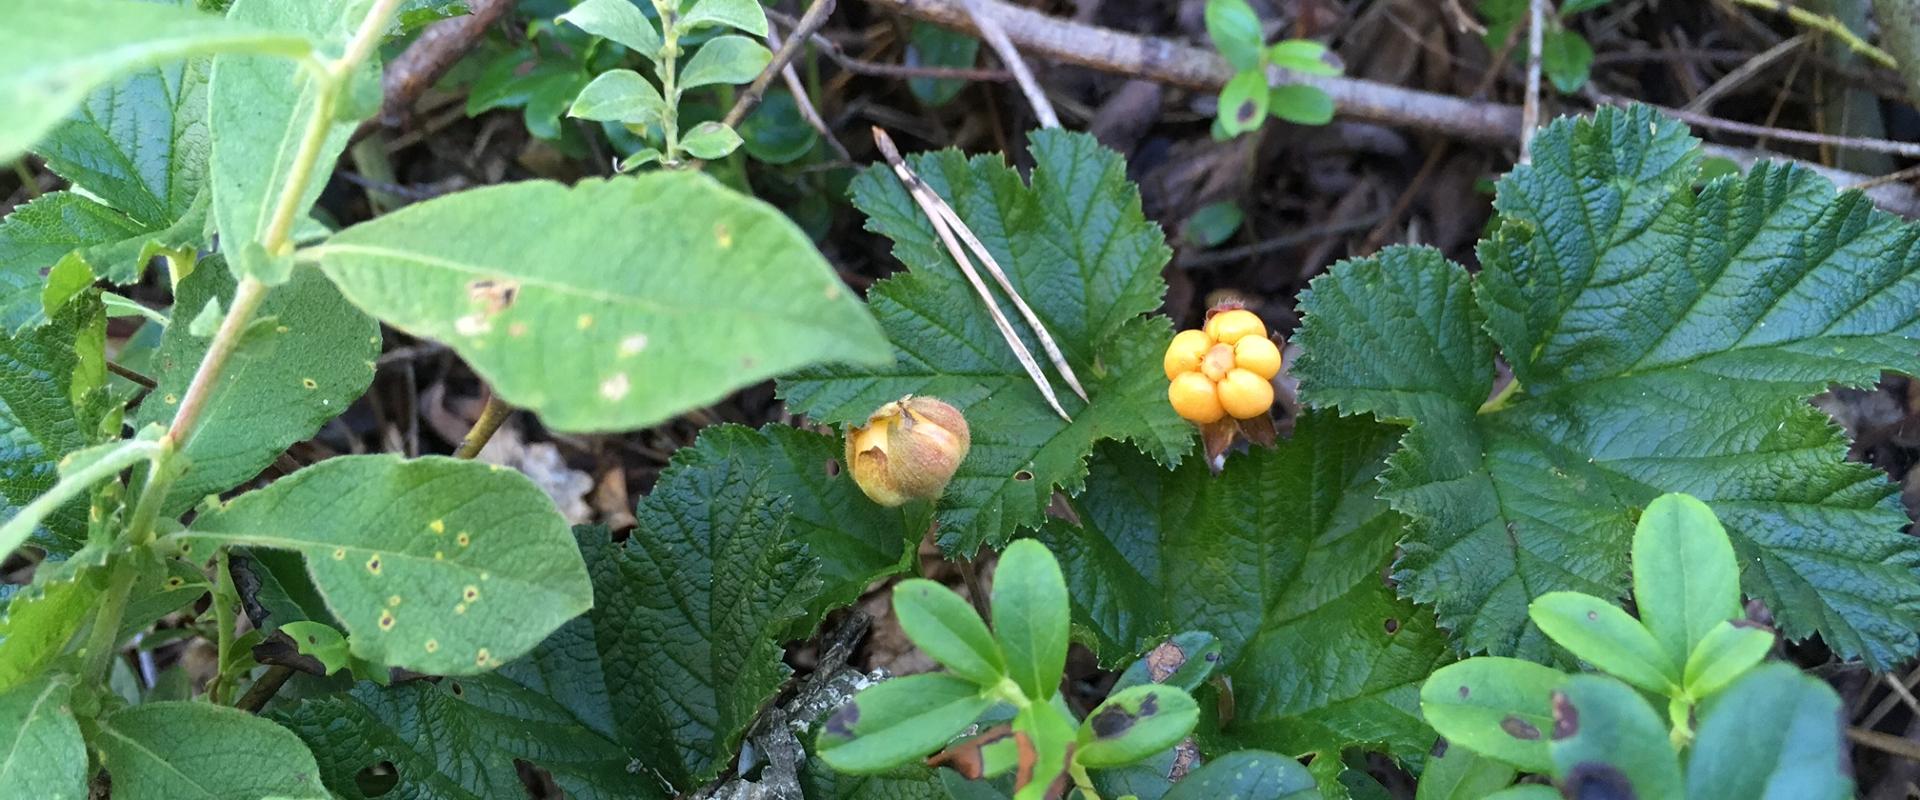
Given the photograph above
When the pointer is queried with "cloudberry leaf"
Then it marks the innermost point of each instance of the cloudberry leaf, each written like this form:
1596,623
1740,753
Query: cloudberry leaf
604,305
1281,558
1665,340
308,359
438,565
458,739
1073,240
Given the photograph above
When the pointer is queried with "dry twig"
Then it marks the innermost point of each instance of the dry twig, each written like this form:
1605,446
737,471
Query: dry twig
946,224
1530,111
423,63
809,24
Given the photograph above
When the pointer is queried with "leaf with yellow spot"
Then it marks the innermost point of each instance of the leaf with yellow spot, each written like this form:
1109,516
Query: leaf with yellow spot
362,522
619,314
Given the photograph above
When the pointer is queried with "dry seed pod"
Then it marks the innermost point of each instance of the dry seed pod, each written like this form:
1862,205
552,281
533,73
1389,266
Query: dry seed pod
908,450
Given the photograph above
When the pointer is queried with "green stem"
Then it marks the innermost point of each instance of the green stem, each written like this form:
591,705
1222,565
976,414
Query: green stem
669,80
103,642
223,617
17,529
28,180
1829,24
1082,780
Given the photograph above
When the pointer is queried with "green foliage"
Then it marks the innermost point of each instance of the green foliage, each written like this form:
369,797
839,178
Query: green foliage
1596,733
1565,55
930,45
1632,300
309,357
1076,245
1246,775
51,379
440,566
51,57
1246,100
1280,557
518,280
44,754
161,751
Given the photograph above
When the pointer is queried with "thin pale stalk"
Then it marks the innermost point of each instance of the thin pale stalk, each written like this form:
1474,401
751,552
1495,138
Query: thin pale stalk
1000,276
919,191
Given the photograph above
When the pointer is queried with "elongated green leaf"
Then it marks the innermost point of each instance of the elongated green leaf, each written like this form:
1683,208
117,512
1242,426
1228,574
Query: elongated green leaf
947,629
1234,28
1280,557
1076,245
1030,617
742,15
41,753
308,359
440,566
899,721
1630,306
933,46
459,739
619,20
1243,102
171,750
1606,737
1775,733
1601,634
1725,653
609,305
1049,731
725,60
52,55
51,378
1685,580
911,782
1246,775
260,108
1498,707
1133,724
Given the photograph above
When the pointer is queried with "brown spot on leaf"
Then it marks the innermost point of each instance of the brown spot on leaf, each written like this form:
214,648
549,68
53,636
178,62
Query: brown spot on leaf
1247,112
968,757
1439,748
1593,616
495,295
1519,728
1112,722
1150,706
1165,660
842,722
1464,691
1593,780
1566,718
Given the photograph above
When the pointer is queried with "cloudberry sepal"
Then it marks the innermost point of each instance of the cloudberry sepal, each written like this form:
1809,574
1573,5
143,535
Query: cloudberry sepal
908,450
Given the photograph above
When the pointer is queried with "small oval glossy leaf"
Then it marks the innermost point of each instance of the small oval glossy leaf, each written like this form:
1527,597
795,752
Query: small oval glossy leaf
1030,617
1301,104
710,140
1235,30
945,627
619,20
1499,707
1246,775
1606,738
726,59
742,15
1775,733
899,721
1243,103
1134,724
1605,636
438,565
1723,655
1304,56
1685,579
1458,773
611,304
619,95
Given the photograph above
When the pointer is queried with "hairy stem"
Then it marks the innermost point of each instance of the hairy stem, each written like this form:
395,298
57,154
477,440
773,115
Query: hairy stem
669,81
495,412
223,618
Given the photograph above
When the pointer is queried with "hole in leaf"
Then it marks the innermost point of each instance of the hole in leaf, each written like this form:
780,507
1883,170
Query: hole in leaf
1393,625
377,780
458,690
1023,475
833,468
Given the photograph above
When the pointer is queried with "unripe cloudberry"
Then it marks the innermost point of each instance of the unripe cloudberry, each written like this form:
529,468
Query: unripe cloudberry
908,450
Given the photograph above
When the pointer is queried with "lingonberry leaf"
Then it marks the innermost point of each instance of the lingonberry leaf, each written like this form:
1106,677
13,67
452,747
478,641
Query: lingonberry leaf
53,55
608,305
1664,340
1774,733
1606,735
1075,244
160,751
308,359
1248,774
41,752
437,565
1280,557
1686,580
458,739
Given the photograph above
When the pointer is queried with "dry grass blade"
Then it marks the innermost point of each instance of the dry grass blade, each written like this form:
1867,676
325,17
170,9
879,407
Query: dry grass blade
931,204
